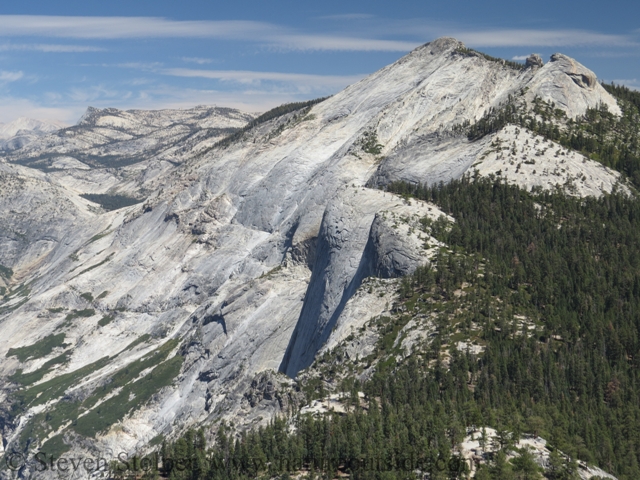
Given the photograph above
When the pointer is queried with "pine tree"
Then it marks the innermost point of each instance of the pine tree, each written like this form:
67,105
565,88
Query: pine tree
501,469
525,467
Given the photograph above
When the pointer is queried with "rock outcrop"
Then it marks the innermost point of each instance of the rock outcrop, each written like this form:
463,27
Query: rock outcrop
534,61
569,85
476,450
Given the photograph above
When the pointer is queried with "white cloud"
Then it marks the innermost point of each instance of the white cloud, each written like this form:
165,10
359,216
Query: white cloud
543,38
96,92
198,60
135,65
289,39
13,108
49,48
140,65
426,29
340,43
128,27
347,16
138,81
248,77
6,77
520,57
152,27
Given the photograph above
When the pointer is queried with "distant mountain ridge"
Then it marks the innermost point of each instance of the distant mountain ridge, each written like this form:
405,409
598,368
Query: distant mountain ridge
23,124
111,137
22,131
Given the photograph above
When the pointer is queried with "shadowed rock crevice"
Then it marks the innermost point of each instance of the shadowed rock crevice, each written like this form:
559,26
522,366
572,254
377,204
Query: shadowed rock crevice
217,318
385,252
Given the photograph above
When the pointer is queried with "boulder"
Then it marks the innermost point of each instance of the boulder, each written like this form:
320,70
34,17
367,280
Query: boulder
534,61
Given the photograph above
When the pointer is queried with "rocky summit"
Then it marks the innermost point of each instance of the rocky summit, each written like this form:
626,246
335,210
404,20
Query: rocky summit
161,270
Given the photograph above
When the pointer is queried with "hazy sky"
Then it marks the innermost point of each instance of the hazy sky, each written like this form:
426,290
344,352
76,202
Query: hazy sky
57,58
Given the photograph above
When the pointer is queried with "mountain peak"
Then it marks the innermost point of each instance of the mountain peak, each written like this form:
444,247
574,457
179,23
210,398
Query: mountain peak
443,44
89,115
439,46
11,129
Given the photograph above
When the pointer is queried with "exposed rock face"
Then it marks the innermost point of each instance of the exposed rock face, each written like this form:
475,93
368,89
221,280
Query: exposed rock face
356,240
581,76
391,251
534,61
570,85
247,254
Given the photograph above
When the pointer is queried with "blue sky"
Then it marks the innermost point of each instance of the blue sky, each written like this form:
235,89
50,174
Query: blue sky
57,58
